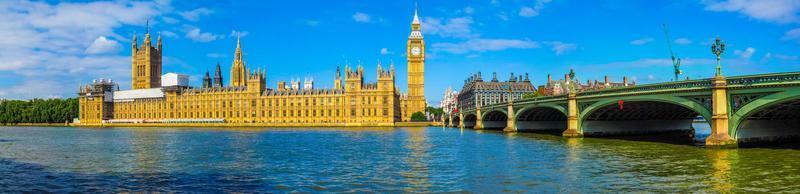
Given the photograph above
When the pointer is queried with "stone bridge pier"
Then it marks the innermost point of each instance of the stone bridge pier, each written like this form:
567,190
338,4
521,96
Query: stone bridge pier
719,120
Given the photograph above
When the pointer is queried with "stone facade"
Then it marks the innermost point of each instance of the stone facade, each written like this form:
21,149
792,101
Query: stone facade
415,101
352,101
477,92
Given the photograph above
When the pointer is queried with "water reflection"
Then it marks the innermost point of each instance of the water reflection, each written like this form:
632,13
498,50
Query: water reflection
721,171
398,160
417,159
148,150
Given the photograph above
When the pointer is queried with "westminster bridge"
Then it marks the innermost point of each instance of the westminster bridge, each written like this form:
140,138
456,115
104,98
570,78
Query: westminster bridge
738,109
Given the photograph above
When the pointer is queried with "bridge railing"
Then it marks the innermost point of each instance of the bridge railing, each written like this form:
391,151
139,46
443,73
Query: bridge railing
699,83
650,87
764,78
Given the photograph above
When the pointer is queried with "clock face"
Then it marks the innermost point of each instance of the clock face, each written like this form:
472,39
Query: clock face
415,51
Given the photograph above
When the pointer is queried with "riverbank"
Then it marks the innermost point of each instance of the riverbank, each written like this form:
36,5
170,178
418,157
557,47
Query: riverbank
397,124
37,124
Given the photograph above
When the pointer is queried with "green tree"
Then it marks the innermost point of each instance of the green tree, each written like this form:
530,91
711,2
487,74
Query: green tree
38,111
418,117
531,95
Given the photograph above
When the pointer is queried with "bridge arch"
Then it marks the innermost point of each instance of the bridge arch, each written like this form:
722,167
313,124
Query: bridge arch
641,115
542,117
470,120
770,117
494,119
455,122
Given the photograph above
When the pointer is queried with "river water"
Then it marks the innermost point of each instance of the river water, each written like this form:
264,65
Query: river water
432,159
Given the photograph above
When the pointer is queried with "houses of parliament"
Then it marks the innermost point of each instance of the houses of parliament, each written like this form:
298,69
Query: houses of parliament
168,98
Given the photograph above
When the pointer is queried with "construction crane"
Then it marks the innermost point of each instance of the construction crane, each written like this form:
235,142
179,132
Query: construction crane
676,62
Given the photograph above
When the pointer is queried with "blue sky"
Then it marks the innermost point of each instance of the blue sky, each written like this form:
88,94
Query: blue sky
48,48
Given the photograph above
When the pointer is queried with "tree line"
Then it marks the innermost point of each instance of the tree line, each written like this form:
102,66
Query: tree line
38,111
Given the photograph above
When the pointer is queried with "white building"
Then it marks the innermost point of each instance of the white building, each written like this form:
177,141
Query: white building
174,79
308,84
449,101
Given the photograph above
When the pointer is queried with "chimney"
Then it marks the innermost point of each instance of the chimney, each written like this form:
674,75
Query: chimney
549,78
606,80
625,81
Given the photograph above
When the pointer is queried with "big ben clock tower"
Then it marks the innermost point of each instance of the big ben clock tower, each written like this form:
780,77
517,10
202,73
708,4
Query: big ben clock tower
415,51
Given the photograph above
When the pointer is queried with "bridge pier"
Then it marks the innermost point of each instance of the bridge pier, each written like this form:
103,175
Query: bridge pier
719,120
573,130
479,121
511,125
449,120
460,118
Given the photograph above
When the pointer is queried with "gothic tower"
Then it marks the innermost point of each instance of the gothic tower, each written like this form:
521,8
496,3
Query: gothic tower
218,77
416,68
146,63
238,69
207,80
337,81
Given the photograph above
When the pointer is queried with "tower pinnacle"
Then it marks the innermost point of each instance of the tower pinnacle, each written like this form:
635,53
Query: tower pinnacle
416,17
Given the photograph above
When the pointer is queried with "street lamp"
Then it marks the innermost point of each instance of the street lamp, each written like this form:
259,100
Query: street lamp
717,48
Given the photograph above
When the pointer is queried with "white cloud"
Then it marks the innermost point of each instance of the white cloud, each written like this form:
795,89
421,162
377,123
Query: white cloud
103,45
36,89
482,45
194,15
503,16
683,41
650,77
361,17
642,41
385,51
560,47
469,10
196,35
169,20
43,42
778,11
526,11
235,34
169,34
746,53
793,34
459,27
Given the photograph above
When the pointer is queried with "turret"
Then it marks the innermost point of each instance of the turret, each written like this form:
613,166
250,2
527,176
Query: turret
159,41
238,69
207,80
337,81
218,77
134,45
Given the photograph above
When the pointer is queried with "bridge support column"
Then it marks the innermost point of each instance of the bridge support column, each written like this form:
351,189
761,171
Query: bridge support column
511,125
460,119
573,130
719,120
449,120
479,120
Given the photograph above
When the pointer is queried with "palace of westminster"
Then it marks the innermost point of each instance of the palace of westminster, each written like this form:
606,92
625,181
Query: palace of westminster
167,98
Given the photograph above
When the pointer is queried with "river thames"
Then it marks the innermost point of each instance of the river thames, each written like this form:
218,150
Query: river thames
432,159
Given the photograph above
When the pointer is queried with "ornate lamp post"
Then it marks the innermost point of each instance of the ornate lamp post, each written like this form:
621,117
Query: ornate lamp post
717,48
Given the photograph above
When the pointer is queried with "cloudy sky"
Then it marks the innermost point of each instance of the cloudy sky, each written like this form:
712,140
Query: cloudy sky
48,48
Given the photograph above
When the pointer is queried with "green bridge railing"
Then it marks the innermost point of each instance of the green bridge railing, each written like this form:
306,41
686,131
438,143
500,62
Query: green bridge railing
688,84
